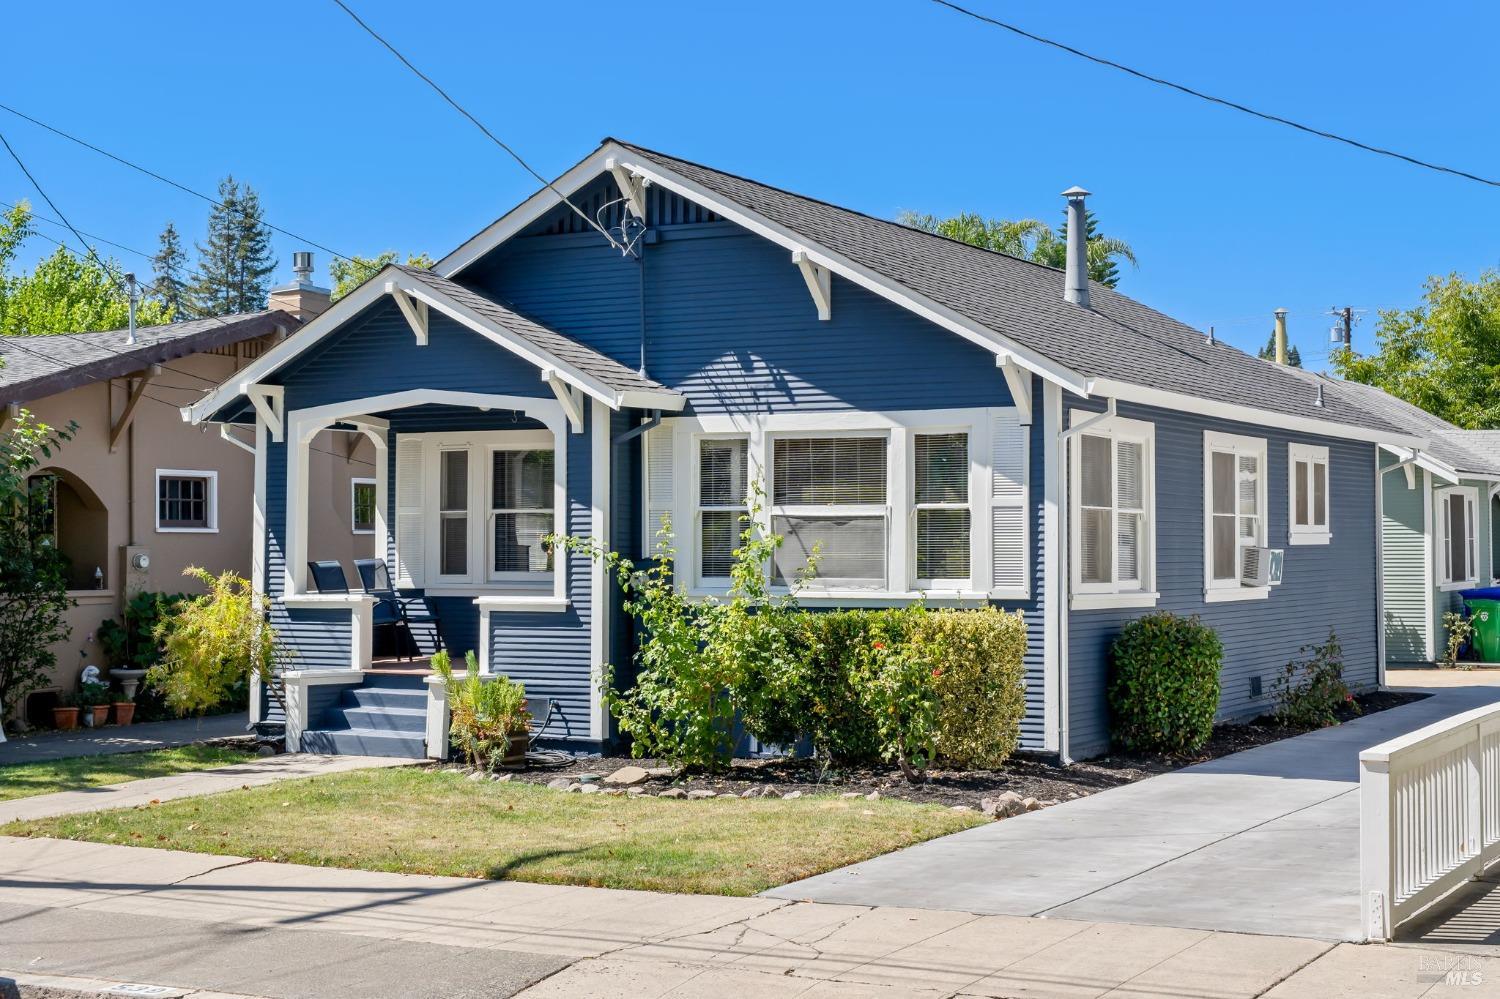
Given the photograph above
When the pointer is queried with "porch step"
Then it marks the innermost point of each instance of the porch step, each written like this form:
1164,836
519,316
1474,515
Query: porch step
384,697
385,719
364,742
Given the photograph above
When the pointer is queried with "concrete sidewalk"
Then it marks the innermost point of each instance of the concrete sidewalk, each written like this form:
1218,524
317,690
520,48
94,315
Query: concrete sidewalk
120,738
1264,841
251,773
198,922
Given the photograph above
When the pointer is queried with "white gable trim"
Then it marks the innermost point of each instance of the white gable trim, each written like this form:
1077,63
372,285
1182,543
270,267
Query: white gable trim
408,288
814,254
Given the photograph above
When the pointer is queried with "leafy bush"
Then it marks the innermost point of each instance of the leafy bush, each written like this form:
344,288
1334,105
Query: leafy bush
1165,687
214,643
33,574
92,694
485,713
134,644
1460,628
1311,691
979,677
896,685
822,701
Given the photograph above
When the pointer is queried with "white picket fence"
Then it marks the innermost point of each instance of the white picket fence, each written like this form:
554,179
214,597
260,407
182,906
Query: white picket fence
1429,816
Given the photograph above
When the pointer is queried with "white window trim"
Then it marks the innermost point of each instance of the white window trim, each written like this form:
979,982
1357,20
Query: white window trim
479,580
354,485
762,429
1223,591
1309,534
1439,506
977,469
1092,596
212,498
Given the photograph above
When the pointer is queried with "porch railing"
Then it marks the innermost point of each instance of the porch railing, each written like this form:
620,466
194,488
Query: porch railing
1429,816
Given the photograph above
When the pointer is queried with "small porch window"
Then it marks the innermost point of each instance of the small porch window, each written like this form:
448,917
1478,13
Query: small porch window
362,506
1457,558
186,501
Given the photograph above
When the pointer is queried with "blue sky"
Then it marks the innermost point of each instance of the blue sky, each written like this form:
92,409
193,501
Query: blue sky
880,106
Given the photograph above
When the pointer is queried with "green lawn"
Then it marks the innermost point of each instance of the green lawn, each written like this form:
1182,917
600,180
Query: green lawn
412,820
22,780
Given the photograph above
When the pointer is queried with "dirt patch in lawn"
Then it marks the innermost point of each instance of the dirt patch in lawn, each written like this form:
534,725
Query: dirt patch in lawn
1028,776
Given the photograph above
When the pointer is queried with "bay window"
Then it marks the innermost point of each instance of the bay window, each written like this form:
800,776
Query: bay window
1112,510
1457,556
1235,504
1307,477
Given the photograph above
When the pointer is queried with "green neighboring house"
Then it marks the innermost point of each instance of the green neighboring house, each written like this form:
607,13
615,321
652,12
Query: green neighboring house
1440,509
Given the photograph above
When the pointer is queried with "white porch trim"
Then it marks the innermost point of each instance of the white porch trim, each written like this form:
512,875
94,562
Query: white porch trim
598,571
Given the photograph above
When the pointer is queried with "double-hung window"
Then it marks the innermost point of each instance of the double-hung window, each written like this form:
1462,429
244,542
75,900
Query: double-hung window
1112,513
829,502
723,488
1235,505
521,515
453,512
940,480
1307,477
1457,556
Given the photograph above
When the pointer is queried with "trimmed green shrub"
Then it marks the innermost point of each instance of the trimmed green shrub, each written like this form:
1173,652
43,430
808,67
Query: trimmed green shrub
1164,692
979,677
823,701
1311,691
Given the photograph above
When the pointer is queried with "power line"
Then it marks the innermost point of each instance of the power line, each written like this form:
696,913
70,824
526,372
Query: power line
1222,102
100,239
168,181
475,121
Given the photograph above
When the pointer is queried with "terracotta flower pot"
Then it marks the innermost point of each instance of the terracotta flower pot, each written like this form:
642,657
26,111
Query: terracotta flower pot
65,718
99,715
124,712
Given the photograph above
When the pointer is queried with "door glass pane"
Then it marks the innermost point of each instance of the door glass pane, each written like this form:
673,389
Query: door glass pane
1225,549
851,550
942,544
1320,495
1098,481
1223,482
1097,542
1299,495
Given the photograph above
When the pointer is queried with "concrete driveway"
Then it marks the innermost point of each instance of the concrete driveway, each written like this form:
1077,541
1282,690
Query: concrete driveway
1264,841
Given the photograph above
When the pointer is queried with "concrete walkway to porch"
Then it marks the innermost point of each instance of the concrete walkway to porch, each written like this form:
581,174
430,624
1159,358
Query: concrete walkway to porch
113,739
252,773
1264,841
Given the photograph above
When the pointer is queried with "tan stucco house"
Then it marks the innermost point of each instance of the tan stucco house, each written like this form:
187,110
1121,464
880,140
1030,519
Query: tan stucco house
139,493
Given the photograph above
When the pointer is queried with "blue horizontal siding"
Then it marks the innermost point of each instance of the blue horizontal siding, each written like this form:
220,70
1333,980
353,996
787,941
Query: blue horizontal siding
1326,586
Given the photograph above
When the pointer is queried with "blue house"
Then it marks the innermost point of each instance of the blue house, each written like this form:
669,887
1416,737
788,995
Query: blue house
647,336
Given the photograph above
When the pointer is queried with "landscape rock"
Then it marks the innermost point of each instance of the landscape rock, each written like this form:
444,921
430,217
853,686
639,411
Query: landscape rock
628,777
749,792
502,778
573,788
614,792
585,778
588,788
673,792
873,796
700,795
560,783
1007,804
266,751
667,772
478,775
961,808
728,794
791,796
851,794
634,791
1030,804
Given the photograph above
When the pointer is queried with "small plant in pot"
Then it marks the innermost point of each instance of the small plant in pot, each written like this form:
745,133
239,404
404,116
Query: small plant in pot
489,715
124,709
65,713
93,700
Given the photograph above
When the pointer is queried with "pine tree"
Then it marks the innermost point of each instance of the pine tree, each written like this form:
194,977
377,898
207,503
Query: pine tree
168,286
235,263
1268,353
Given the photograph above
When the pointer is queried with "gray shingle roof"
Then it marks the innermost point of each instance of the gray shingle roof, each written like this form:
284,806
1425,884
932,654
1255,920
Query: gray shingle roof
1117,338
608,371
37,366
1473,451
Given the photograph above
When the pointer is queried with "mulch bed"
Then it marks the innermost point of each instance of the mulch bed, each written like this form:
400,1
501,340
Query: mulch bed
1027,776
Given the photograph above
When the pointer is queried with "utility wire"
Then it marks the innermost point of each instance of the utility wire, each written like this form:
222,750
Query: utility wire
99,239
167,180
1222,102
476,122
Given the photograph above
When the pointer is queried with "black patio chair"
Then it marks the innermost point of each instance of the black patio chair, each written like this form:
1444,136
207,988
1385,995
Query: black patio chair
390,606
328,576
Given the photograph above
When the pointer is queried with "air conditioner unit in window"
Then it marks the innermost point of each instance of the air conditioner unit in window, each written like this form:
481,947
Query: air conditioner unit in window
1260,566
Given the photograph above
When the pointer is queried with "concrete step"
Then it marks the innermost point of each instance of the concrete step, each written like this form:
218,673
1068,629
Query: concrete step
384,697
363,742
385,719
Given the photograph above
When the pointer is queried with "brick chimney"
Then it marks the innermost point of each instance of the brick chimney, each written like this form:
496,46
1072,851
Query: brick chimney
301,297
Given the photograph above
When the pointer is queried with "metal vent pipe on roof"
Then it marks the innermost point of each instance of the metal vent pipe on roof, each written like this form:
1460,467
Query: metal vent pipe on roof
1076,273
1281,336
130,297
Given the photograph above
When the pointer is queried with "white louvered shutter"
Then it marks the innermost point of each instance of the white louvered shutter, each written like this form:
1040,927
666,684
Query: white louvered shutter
661,476
1009,446
411,559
